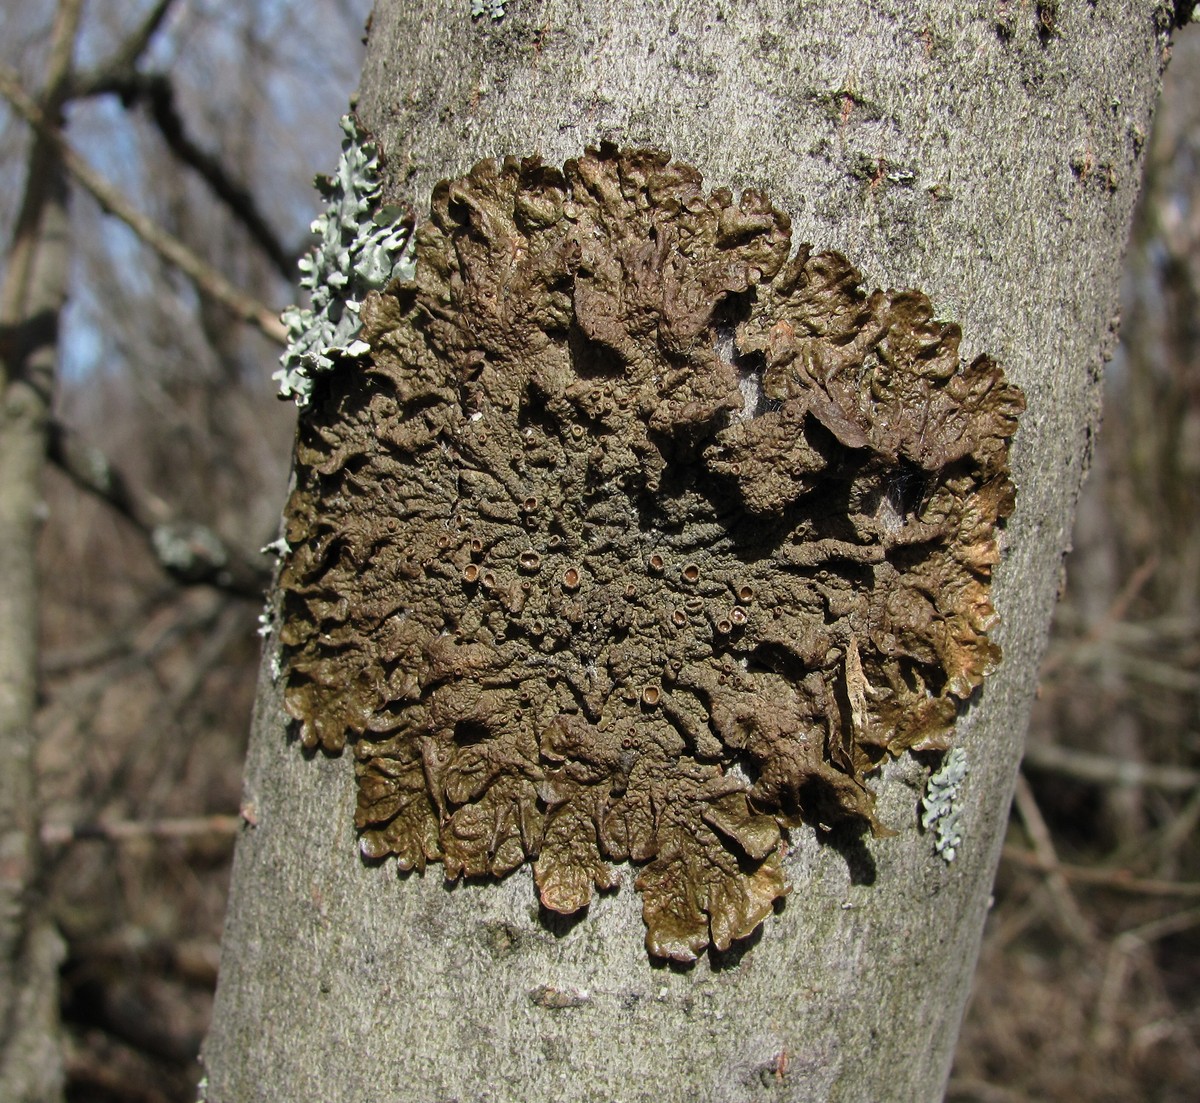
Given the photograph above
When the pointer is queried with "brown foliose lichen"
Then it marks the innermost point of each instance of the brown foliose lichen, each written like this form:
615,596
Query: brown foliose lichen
637,538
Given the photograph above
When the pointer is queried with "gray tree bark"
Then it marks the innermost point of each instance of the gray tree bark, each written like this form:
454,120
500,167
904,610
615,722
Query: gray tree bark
31,299
987,154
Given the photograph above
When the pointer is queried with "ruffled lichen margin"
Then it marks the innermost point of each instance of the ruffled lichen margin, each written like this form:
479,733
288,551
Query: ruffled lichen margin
632,535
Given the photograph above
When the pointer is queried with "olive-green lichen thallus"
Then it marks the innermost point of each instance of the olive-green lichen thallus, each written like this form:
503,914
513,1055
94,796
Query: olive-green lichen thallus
581,589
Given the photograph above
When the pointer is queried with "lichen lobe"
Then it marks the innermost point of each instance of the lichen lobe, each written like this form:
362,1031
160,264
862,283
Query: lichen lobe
637,537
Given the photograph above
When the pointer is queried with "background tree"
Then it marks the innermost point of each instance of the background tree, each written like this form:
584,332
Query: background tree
990,159
30,302
111,326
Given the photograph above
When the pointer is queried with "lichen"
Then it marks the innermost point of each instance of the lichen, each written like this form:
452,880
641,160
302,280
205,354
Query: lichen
941,809
494,8
637,537
362,245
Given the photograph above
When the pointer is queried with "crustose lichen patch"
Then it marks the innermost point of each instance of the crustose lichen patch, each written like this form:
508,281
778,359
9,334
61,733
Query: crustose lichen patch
637,537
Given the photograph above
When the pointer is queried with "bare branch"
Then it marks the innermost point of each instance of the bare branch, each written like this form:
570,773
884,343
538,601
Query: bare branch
31,299
1118,880
1121,954
207,279
91,470
1106,770
1073,922
187,827
62,48
158,94
189,552
119,76
125,59
43,173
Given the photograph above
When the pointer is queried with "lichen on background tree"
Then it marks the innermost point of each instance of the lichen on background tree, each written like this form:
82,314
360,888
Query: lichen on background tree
636,537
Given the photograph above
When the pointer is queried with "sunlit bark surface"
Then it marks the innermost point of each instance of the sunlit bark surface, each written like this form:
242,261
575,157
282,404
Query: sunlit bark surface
991,162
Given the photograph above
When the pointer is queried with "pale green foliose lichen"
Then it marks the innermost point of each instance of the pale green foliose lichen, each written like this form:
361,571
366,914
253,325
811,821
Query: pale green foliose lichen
494,8
362,245
941,810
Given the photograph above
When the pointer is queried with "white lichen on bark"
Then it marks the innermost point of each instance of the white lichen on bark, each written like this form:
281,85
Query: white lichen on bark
362,245
941,810
494,8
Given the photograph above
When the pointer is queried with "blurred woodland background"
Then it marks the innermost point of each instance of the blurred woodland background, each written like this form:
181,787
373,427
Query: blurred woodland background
169,461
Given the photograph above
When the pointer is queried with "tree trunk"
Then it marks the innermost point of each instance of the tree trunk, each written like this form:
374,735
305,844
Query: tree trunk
30,948
34,292
988,155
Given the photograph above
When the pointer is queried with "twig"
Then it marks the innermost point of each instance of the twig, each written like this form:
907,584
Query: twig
92,471
127,55
1116,879
1072,920
209,281
119,76
187,827
1162,928
1112,617
43,172
71,706
1125,948
1178,831
191,553
1105,770
1172,628
210,653
62,48
156,91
